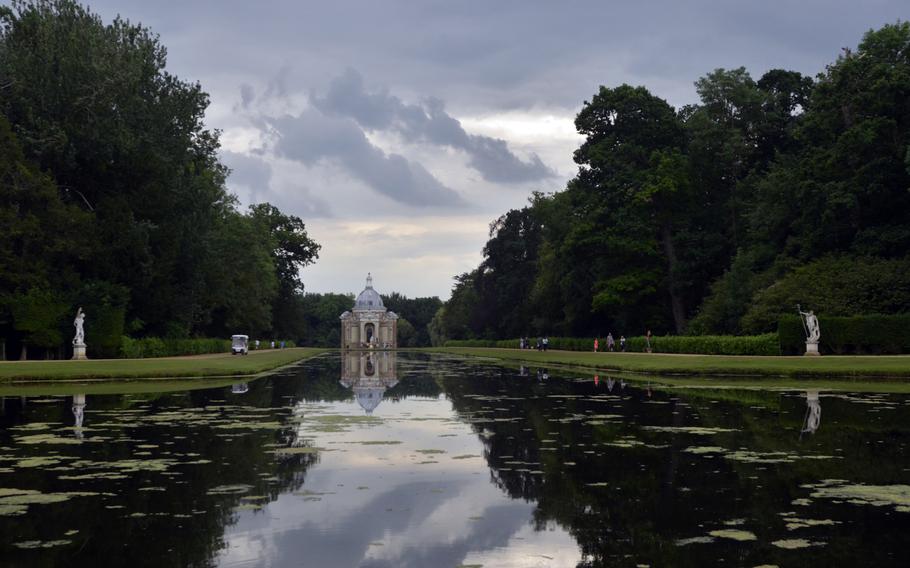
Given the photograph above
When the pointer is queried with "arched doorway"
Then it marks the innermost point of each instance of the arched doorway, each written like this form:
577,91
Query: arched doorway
369,330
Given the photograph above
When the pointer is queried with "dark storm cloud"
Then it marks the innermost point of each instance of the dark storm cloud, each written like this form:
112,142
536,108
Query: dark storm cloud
428,122
482,56
313,137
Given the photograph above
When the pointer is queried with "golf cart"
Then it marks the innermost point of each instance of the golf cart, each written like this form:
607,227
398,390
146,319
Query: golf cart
240,344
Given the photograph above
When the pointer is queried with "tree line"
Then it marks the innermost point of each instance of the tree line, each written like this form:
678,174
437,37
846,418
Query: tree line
322,328
715,218
112,197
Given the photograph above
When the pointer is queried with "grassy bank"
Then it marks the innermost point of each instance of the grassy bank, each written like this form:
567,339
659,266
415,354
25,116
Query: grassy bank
705,365
217,365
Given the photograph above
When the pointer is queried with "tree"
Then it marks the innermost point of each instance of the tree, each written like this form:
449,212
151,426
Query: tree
407,335
133,182
626,193
124,141
418,311
291,249
37,316
43,237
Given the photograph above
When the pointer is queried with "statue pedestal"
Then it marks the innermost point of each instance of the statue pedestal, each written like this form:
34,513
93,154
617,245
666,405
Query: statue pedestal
812,349
79,352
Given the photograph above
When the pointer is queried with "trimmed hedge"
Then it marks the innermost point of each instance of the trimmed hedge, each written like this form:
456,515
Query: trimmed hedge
156,347
148,347
766,344
853,335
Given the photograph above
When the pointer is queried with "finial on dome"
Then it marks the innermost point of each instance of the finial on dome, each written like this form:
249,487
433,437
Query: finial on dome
369,280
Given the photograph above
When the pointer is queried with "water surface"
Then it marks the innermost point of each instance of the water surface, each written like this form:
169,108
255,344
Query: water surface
421,460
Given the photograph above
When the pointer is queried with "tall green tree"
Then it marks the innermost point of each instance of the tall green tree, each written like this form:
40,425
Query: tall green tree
291,249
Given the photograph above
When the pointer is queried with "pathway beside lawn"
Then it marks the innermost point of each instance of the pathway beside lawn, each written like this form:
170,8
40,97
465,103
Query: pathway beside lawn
831,366
214,365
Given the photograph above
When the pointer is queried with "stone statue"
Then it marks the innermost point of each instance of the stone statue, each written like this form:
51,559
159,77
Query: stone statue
813,333
80,332
79,340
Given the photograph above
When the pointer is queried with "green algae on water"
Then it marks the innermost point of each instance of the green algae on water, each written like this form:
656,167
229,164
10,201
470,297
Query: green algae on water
734,534
28,544
794,543
697,430
297,450
234,489
695,540
859,494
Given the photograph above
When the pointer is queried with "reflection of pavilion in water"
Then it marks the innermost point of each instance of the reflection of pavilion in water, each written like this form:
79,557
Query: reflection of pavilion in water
369,375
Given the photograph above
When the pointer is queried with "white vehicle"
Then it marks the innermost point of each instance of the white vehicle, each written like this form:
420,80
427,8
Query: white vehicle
240,344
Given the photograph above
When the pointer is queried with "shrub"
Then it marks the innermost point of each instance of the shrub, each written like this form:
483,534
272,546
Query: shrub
836,286
858,335
156,347
766,344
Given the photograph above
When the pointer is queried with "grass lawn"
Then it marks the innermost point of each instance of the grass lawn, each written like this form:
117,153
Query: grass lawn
69,387
830,366
216,365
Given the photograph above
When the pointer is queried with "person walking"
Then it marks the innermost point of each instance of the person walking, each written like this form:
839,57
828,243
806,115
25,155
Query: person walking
622,343
546,343
648,341
611,344
595,345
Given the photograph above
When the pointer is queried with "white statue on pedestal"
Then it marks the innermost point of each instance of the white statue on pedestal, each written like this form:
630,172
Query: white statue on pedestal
813,331
79,340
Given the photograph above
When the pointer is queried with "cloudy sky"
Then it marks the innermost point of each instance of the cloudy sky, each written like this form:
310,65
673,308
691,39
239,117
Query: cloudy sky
398,129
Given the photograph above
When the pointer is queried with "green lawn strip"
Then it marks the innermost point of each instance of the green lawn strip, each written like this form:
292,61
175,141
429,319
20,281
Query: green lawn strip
705,365
54,387
732,383
221,365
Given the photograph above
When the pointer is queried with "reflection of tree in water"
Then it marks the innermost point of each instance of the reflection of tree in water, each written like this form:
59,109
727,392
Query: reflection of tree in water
633,503
185,522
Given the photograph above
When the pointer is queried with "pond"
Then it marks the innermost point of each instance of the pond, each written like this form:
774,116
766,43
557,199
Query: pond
431,460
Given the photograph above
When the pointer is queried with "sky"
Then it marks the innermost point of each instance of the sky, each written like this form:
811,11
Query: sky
398,130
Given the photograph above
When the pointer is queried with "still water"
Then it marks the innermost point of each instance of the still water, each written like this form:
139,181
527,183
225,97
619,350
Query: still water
421,460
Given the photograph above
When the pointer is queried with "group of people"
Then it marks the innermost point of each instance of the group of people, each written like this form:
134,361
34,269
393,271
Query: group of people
543,343
611,343
272,344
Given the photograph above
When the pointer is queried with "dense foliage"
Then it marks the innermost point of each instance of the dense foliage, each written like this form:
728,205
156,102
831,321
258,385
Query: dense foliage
716,218
112,196
854,335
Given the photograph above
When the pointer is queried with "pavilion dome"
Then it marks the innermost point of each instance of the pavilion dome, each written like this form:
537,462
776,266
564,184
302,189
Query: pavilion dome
369,299
369,397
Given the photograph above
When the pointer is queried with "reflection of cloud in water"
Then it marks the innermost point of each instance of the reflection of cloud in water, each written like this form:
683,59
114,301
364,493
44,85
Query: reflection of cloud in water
407,514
